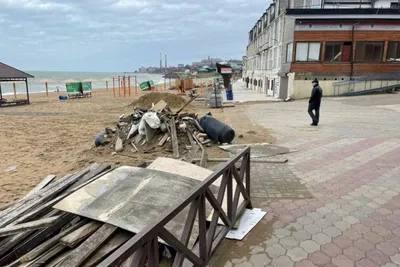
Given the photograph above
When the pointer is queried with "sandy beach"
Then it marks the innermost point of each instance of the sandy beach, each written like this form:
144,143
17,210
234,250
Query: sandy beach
57,137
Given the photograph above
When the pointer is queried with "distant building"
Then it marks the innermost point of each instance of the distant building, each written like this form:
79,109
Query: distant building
152,69
181,65
296,41
142,69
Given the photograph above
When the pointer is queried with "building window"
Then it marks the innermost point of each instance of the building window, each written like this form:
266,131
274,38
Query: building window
289,52
393,53
316,4
337,51
369,51
308,51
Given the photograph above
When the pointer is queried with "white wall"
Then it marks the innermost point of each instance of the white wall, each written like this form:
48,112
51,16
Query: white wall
383,3
302,88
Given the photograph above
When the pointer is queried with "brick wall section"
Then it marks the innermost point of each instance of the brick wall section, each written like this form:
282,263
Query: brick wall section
344,67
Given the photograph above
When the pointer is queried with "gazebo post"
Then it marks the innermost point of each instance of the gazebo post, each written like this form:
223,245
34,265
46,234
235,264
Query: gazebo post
27,90
1,93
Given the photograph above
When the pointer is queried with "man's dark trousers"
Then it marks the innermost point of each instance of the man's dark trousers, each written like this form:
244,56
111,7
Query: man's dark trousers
311,107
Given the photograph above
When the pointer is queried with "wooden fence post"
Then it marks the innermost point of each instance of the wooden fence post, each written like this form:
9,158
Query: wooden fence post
129,85
124,85
15,91
119,86
136,91
114,86
107,86
47,89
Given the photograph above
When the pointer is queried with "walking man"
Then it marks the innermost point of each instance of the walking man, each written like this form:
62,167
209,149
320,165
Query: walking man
315,102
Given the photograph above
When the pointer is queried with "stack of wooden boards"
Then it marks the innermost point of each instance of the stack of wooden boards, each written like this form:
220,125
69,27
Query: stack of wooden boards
32,233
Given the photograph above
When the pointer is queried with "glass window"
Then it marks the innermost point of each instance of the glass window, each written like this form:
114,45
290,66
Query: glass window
393,53
369,51
316,4
308,51
289,52
337,51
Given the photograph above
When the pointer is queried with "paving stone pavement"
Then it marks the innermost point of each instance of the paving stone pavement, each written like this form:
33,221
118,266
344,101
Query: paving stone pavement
337,201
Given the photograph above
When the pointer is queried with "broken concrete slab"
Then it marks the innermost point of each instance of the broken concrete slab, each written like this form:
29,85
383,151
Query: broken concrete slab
259,150
193,171
160,106
119,145
150,132
131,198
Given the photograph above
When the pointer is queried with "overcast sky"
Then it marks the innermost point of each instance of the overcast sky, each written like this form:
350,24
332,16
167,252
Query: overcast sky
122,35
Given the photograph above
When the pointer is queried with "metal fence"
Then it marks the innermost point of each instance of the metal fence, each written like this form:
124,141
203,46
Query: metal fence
143,247
380,82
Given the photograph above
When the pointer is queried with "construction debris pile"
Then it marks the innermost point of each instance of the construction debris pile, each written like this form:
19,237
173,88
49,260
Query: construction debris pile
32,233
148,130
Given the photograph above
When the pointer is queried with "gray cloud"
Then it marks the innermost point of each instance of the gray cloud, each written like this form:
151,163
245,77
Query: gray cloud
122,35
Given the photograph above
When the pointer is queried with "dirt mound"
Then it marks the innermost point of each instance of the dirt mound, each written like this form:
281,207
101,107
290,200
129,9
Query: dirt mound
173,100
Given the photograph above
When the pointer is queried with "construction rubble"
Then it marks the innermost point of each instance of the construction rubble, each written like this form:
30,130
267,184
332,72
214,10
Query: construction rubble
159,128
83,218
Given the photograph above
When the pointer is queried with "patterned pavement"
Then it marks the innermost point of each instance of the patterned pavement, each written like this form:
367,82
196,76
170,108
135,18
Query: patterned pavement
337,201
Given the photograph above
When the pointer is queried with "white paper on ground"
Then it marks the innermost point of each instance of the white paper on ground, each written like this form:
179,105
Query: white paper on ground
249,219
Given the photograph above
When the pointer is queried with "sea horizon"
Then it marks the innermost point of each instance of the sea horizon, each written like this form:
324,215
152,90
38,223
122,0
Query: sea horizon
58,79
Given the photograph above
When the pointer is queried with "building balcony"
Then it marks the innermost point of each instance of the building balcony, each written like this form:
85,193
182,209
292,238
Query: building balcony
311,12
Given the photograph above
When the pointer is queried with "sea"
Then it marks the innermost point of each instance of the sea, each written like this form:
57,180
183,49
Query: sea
57,80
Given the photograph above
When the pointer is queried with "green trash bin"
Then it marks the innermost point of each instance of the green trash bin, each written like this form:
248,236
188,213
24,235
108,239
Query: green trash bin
146,85
79,89
74,88
87,88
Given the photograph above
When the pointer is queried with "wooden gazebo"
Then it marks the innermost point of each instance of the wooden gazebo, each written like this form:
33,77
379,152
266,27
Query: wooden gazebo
10,74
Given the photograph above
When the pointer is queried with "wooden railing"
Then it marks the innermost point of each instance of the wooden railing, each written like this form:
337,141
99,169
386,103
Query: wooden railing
143,247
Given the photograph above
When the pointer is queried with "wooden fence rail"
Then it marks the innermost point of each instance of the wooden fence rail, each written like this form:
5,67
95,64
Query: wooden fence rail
143,247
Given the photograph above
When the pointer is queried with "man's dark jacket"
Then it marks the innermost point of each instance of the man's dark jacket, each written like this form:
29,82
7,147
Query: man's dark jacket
315,99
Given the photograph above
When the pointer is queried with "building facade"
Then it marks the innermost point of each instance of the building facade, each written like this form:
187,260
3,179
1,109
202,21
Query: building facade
296,41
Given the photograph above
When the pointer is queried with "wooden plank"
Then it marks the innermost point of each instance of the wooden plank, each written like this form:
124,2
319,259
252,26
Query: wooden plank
192,153
184,106
43,208
109,246
21,203
49,243
163,139
191,140
283,160
58,259
40,186
74,238
33,225
24,201
40,199
25,242
89,246
94,170
13,241
204,159
53,252
174,137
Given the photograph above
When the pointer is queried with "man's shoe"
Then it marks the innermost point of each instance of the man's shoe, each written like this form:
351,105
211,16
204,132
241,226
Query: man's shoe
314,124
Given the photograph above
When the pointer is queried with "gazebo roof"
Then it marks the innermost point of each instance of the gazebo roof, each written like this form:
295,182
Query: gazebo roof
8,73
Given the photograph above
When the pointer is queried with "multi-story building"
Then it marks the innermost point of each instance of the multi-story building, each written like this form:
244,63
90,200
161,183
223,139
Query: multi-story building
296,41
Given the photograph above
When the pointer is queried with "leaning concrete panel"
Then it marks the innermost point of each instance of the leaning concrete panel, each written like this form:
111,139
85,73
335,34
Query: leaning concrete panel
195,172
131,198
